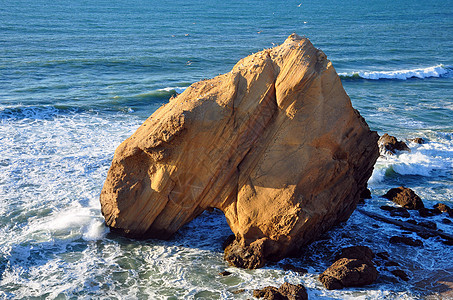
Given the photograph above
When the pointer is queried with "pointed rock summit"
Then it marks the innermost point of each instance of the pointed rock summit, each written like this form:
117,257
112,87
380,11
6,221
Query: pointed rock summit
275,144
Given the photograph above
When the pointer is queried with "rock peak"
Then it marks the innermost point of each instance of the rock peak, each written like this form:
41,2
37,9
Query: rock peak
275,144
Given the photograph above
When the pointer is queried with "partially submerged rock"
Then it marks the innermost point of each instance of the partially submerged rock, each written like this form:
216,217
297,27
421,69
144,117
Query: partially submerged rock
286,291
405,197
389,145
275,144
406,240
347,272
356,252
417,140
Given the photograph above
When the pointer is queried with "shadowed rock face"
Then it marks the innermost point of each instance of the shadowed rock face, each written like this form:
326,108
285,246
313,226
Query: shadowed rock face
275,144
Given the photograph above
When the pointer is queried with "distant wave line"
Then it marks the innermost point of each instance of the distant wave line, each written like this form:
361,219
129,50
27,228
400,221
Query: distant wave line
404,74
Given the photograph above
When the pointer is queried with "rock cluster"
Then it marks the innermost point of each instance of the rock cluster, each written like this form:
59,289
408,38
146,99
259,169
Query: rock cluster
275,144
389,145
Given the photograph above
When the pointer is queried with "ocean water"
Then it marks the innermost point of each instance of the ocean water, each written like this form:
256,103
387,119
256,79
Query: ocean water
78,77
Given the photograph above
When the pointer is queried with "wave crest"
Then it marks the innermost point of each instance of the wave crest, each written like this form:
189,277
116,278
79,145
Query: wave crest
429,72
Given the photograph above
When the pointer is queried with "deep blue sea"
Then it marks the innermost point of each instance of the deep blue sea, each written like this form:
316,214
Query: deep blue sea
78,77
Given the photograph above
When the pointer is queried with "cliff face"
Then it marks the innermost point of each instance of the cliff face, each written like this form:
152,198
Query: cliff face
275,144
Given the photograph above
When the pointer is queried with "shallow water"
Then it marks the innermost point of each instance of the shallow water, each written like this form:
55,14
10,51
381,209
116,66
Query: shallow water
77,78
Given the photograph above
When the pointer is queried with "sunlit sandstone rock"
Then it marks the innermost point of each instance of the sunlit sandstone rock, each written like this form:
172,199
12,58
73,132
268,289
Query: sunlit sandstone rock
275,144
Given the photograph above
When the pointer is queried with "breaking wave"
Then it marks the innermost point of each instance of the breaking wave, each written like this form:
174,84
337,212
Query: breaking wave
404,74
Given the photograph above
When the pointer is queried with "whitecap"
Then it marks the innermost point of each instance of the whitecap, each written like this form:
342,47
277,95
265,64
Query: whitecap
403,74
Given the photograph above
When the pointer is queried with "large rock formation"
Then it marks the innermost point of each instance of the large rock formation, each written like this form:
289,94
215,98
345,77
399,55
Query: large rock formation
275,144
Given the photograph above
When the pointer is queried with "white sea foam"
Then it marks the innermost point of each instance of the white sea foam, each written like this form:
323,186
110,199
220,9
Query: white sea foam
403,74
56,245
432,158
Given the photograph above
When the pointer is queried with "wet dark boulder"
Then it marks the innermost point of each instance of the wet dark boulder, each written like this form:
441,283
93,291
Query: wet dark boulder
400,274
400,212
406,240
251,257
428,224
405,197
347,272
286,291
391,263
442,207
290,267
426,212
389,145
356,252
225,273
417,140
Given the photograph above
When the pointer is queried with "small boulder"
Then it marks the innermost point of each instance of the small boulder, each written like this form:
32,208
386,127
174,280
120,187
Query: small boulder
347,272
400,212
405,240
289,267
425,235
426,212
389,145
400,274
405,197
383,255
391,263
250,257
446,221
417,140
442,207
286,291
387,208
356,252
225,273
428,224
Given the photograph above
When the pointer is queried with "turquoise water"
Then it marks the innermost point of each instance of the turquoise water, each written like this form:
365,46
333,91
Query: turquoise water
78,77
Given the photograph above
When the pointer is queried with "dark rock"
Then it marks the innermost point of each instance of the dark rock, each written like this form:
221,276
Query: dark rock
356,252
388,208
428,224
375,226
417,140
366,194
348,273
405,240
268,292
425,235
383,255
426,212
448,242
286,291
251,257
400,212
446,221
404,197
293,291
289,267
225,273
401,274
412,222
442,207
240,291
391,264
389,145
230,239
